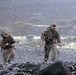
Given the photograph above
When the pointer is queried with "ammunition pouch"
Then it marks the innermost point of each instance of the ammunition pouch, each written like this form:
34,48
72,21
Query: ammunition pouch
49,38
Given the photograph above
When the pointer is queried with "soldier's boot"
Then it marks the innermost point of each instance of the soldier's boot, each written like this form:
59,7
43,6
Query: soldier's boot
46,60
9,62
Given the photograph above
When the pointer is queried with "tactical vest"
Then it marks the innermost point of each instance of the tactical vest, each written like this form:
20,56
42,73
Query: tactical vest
49,36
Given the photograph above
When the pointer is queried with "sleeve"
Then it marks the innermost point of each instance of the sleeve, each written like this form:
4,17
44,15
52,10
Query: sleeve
12,40
0,42
58,38
42,36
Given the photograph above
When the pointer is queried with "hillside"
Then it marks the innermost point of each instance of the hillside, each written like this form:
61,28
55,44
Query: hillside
36,11
19,17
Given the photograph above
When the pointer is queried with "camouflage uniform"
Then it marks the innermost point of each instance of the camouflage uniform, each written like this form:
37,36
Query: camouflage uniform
51,44
7,45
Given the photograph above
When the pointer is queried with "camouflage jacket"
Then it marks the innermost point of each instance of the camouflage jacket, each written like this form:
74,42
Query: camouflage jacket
53,35
8,40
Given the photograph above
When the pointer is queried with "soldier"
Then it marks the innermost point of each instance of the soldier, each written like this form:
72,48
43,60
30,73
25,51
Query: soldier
7,46
50,38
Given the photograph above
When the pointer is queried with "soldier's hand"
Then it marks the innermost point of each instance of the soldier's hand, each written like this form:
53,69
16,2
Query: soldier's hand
12,45
44,43
7,44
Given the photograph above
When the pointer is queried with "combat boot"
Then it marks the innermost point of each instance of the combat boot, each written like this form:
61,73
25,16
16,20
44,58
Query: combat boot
46,60
9,62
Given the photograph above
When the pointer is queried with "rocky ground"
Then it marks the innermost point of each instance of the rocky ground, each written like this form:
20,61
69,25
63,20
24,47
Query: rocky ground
28,60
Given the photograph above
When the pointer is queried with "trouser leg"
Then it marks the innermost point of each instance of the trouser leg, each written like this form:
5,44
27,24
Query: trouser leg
12,54
46,53
5,54
54,51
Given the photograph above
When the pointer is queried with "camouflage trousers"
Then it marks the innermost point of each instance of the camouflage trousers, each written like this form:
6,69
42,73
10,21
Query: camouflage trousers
8,55
47,50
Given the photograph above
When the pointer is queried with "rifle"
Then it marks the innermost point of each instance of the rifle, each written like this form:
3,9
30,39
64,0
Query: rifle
3,45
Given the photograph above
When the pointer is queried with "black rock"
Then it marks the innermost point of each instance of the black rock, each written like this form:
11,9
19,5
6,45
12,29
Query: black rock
2,72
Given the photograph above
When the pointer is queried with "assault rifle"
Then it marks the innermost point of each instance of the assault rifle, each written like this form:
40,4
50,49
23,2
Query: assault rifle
4,46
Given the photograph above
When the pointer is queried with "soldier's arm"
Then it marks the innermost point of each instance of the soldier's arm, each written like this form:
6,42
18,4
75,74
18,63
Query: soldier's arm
58,38
0,43
42,36
12,41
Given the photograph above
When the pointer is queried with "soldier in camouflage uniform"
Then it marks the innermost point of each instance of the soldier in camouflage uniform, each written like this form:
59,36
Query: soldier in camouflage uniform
50,38
7,46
